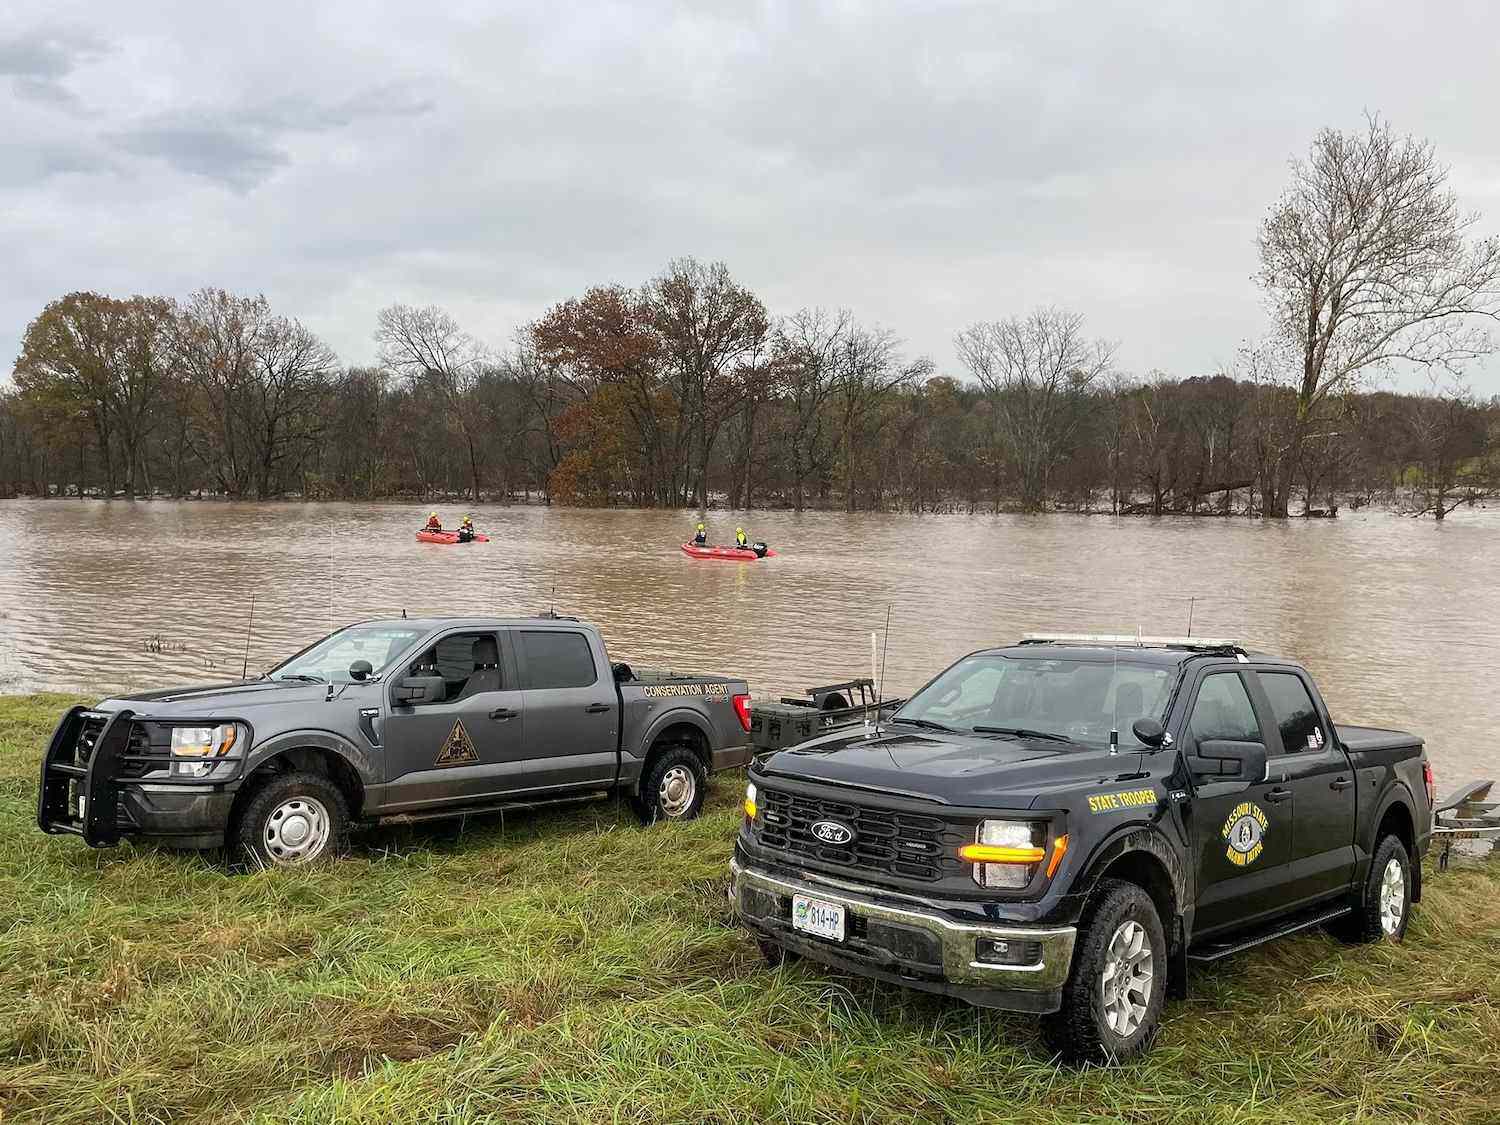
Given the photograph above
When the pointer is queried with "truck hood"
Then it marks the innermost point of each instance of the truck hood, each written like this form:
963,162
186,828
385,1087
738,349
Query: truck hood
955,769
218,699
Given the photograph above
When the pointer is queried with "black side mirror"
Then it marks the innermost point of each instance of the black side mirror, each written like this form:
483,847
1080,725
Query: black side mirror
361,670
1223,760
411,691
623,673
1149,732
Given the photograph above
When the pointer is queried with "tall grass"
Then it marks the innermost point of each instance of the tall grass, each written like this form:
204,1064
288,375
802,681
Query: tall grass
576,967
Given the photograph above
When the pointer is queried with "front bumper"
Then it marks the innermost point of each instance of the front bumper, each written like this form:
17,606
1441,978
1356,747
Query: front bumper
908,945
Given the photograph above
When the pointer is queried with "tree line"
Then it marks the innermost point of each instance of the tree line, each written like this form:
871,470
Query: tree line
687,391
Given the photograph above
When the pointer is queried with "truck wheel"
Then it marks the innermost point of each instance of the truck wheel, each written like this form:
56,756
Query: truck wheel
293,819
673,787
1111,1005
1385,906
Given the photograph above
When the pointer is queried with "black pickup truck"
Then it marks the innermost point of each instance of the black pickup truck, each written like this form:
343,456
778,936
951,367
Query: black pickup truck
391,722
1061,825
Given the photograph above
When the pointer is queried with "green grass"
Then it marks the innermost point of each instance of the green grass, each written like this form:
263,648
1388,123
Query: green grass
573,966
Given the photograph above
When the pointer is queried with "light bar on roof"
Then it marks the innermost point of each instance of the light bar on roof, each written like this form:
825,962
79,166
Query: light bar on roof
1128,640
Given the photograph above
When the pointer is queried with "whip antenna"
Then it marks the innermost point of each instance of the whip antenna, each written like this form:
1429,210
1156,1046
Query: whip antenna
1191,602
245,667
1114,721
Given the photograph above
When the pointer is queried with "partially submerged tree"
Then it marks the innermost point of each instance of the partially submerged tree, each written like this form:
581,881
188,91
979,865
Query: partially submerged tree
1037,371
1455,457
1366,260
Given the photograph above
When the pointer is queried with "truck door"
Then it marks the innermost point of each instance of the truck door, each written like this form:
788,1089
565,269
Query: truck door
572,709
1242,830
1322,784
463,747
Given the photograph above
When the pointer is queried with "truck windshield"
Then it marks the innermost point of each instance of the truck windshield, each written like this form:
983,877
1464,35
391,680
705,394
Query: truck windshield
328,661
1068,698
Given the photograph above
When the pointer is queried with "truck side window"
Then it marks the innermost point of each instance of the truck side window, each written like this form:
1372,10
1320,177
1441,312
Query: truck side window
556,659
468,662
1296,717
1223,711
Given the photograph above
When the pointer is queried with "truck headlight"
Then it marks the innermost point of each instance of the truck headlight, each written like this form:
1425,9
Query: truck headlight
1006,853
203,745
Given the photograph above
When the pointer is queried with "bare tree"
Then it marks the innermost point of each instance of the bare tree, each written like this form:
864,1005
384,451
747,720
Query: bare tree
1366,260
1036,370
806,348
1456,460
427,347
708,323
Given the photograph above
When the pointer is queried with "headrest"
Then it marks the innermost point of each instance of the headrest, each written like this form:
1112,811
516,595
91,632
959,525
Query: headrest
486,652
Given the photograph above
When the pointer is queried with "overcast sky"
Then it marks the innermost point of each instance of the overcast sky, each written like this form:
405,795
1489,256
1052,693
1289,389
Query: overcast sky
925,165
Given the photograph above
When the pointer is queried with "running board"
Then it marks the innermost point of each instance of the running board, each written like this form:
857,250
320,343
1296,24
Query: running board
1216,951
398,819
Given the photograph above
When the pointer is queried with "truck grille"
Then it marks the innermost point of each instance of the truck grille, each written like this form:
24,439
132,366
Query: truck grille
886,841
140,744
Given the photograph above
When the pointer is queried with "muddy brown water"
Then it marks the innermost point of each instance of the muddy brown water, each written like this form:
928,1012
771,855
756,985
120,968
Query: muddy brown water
1399,619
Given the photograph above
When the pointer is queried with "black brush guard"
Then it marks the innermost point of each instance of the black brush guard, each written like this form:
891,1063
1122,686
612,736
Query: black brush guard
99,783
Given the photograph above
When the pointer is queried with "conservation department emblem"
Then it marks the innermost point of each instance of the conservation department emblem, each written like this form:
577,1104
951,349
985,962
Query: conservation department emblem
458,749
1245,833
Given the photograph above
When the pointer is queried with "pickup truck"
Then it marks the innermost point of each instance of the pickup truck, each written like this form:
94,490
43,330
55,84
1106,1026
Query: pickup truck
1060,826
390,721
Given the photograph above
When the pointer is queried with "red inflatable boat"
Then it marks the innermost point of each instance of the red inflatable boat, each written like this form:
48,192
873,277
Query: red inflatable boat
733,554
448,537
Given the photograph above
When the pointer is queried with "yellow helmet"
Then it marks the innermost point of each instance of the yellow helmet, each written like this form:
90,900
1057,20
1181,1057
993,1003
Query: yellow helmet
433,516
739,531
700,527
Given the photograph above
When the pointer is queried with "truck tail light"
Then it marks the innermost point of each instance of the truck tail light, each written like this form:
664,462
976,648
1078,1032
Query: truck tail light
742,710
1430,781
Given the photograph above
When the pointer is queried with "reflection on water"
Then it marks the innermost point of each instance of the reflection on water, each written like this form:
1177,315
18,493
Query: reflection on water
1399,619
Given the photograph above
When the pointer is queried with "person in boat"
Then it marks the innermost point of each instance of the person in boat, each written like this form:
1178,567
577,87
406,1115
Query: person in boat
433,523
700,535
741,540
466,530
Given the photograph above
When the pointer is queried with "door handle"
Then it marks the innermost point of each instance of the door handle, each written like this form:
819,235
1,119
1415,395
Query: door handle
596,708
1340,783
1276,796
503,713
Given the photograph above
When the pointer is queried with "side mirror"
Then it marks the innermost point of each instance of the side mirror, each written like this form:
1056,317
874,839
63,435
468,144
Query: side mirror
1223,760
622,672
361,670
1149,732
410,691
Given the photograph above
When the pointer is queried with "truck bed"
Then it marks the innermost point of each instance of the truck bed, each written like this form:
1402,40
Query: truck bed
1369,740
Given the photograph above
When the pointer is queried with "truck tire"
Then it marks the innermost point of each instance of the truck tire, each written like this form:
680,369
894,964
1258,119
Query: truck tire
1112,1002
672,788
293,819
1384,907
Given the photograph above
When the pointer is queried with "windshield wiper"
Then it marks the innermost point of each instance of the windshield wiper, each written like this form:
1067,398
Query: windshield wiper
298,677
1026,732
925,724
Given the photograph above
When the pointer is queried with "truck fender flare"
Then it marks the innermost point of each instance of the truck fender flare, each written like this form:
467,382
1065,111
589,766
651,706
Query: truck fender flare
677,716
1148,842
1395,794
359,759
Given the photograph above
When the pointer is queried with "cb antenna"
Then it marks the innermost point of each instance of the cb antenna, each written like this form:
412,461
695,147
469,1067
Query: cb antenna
245,667
1191,602
885,644
1114,720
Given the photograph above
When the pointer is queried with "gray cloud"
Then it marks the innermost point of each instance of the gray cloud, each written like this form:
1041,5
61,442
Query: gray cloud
38,61
925,164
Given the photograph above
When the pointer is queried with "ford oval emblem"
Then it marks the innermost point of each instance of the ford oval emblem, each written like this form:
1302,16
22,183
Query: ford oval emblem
832,832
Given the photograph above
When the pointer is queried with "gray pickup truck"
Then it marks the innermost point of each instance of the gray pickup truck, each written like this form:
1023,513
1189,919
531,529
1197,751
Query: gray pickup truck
385,722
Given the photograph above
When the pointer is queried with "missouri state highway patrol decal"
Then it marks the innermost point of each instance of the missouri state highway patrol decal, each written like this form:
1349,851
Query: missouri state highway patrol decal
1245,833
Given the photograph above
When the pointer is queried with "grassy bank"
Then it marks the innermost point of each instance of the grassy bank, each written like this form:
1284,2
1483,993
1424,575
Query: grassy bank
576,967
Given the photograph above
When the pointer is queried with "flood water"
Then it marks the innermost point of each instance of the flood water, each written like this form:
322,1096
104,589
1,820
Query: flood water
1399,619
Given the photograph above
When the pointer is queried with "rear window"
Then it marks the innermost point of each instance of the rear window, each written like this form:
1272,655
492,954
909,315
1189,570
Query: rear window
556,659
1296,717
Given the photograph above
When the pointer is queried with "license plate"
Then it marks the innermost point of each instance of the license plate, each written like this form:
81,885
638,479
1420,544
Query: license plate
819,918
